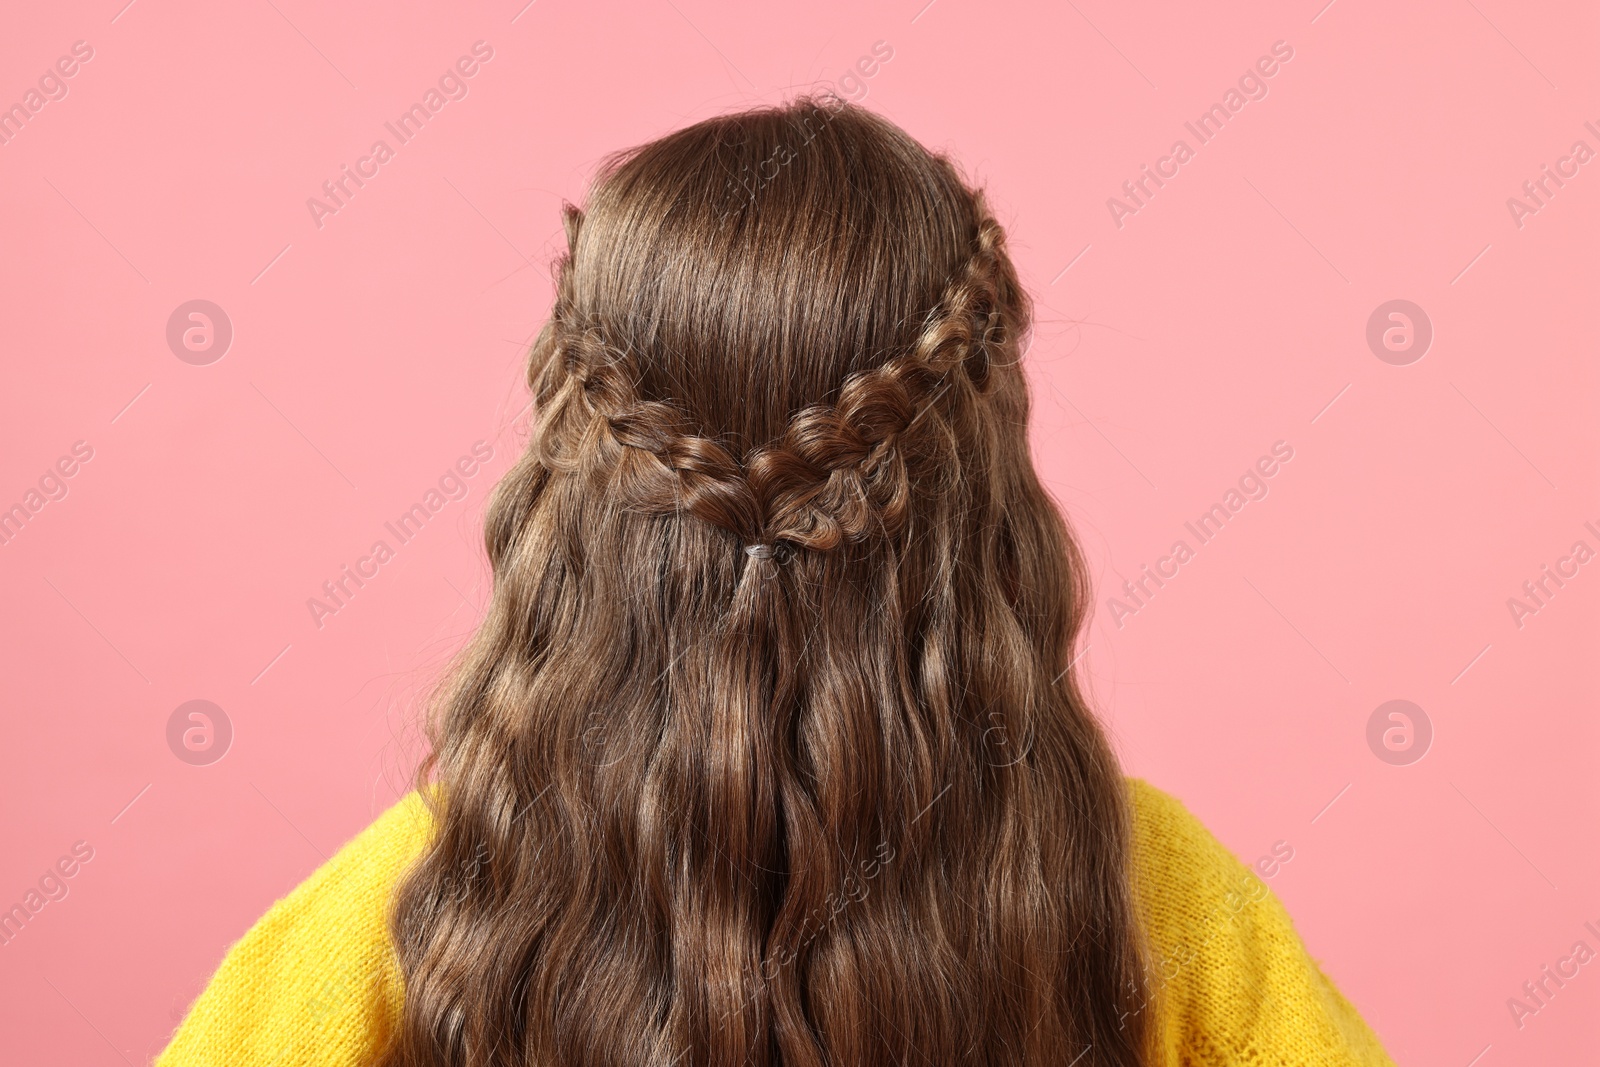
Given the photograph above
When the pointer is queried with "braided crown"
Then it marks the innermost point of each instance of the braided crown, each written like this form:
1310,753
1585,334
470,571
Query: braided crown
839,472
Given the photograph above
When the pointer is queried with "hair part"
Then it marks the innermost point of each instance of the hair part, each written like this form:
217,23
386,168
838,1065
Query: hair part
769,749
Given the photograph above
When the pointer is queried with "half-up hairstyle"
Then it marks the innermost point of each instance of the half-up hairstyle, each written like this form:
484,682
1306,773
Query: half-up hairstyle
769,750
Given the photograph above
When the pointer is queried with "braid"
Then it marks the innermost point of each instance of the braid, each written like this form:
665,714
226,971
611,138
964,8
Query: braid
839,473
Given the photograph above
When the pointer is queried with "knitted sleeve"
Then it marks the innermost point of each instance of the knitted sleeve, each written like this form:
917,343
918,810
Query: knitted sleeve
314,983
1231,979
315,980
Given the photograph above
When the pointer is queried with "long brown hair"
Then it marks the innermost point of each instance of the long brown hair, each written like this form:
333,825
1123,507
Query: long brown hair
769,750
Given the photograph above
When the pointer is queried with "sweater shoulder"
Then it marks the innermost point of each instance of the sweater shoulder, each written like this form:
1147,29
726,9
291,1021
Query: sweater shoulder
315,980
1230,977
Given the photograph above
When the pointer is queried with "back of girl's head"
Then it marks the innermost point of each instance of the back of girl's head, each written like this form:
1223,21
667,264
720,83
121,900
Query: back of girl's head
757,260
769,749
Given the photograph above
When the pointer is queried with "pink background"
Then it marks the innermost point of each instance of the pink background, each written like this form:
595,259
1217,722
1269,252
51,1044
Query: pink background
1227,314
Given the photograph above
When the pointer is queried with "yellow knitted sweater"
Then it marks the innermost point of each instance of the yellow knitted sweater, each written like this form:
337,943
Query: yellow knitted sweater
315,980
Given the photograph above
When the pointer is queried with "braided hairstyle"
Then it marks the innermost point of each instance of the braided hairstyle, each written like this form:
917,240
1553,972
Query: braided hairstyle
769,750
840,471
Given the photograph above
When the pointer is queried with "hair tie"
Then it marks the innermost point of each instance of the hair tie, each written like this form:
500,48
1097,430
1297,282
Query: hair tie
760,551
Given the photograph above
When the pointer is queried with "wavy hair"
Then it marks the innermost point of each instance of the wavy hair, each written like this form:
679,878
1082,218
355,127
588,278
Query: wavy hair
769,749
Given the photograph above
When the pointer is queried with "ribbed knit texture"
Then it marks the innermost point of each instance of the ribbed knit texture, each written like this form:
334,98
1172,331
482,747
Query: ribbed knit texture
315,981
